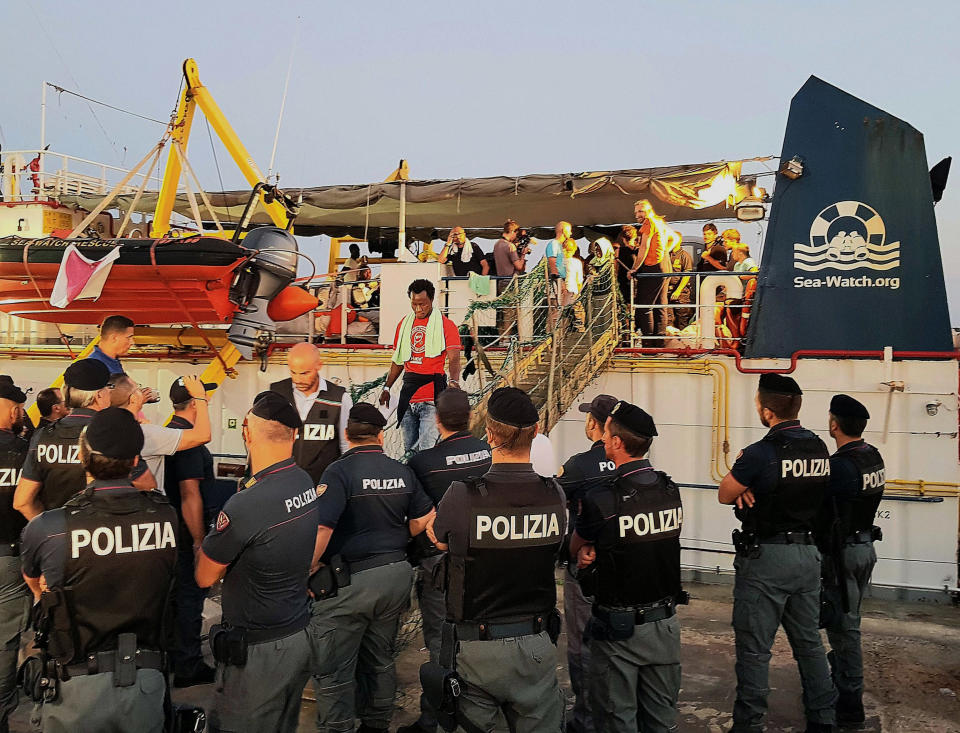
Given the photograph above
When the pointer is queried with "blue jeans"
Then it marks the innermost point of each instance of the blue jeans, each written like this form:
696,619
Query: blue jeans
419,427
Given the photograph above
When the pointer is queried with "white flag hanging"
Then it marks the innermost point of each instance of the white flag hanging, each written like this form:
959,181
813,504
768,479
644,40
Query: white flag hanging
79,277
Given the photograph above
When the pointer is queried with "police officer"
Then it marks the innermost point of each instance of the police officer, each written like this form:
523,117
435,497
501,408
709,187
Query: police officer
581,474
14,599
778,485
369,506
628,532
502,534
323,408
262,541
856,488
190,485
52,472
456,457
101,568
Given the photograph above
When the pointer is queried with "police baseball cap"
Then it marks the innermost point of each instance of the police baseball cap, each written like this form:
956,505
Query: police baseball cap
272,406
179,393
12,392
845,406
634,419
368,414
87,374
512,406
600,407
115,433
779,384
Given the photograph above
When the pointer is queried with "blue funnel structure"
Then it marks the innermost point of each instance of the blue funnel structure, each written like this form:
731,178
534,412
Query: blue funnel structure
851,259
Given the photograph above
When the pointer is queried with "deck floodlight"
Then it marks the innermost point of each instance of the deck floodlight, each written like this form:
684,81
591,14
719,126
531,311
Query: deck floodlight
792,168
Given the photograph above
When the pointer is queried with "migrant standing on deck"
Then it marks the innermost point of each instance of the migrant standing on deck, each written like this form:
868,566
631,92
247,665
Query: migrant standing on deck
369,506
856,488
116,340
778,485
456,457
627,543
14,598
502,533
323,407
262,541
580,475
101,568
52,472
425,339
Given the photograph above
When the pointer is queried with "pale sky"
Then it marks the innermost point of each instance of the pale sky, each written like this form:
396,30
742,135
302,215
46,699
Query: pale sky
485,88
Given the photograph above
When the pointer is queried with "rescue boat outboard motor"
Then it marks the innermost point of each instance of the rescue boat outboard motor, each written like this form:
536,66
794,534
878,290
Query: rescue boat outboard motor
257,282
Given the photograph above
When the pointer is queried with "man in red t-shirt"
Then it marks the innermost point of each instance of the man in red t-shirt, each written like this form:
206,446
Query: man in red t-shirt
424,340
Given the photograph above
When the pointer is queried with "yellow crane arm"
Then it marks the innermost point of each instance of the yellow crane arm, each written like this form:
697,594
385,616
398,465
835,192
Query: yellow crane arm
194,95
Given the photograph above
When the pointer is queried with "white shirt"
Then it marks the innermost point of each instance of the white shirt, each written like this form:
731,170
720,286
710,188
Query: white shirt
158,442
542,456
304,402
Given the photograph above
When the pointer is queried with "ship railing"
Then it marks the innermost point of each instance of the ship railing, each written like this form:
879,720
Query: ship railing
33,175
716,316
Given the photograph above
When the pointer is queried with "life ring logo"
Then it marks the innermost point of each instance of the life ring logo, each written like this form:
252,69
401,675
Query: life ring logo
847,235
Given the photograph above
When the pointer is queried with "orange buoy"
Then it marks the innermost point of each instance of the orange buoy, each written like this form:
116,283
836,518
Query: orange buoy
291,302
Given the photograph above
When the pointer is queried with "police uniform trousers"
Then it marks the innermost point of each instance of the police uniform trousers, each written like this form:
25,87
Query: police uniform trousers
91,703
264,694
635,682
513,680
429,586
354,639
846,657
780,585
576,613
14,613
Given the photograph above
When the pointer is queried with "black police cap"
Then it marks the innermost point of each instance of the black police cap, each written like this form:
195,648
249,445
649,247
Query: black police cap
634,418
87,374
6,379
845,406
12,393
272,406
600,406
115,433
513,407
779,384
179,393
368,414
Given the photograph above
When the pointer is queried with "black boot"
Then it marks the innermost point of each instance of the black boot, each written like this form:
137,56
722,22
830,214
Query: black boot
417,726
850,713
364,728
819,727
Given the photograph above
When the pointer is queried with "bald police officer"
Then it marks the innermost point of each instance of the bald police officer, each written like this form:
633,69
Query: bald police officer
456,457
778,485
369,506
581,474
628,532
52,472
323,407
14,598
502,533
262,542
101,568
856,489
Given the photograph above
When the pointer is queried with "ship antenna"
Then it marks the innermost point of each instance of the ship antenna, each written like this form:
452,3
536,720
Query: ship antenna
283,101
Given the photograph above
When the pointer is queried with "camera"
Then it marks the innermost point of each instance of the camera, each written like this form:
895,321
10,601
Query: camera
522,242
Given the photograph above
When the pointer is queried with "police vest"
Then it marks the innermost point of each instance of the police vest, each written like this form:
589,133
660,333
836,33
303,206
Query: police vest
456,458
13,451
791,504
588,470
857,514
317,443
56,450
121,556
638,548
507,573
